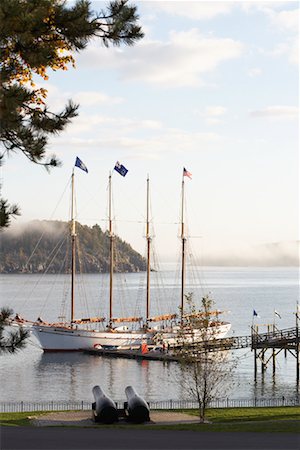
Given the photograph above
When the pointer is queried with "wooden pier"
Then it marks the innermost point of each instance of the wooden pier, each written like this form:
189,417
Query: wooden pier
161,354
266,346
133,354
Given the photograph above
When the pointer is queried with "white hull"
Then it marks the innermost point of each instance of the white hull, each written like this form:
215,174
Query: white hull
176,338
54,339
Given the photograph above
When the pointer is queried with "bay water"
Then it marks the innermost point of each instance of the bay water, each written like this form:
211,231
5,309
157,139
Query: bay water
31,375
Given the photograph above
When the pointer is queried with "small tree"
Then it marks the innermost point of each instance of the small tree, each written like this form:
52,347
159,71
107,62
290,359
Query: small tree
10,341
206,370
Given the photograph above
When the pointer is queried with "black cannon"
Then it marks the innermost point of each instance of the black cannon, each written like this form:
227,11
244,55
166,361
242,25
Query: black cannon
104,408
136,407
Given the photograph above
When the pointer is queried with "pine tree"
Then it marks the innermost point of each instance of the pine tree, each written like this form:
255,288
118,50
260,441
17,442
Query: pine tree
7,211
10,341
36,35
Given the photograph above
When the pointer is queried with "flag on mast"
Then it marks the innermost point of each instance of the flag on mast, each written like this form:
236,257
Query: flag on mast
81,165
277,314
186,173
255,314
120,169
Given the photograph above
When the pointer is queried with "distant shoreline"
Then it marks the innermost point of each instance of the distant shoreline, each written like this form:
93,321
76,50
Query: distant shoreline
165,267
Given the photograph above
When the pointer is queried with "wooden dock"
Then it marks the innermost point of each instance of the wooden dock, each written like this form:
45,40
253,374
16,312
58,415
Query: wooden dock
230,343
133,354
267,346
280,339
273,341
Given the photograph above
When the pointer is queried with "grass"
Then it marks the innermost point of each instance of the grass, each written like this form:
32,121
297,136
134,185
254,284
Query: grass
281,419
250,414
18,418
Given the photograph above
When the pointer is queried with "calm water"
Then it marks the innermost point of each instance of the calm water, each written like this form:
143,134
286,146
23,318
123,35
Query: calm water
33,375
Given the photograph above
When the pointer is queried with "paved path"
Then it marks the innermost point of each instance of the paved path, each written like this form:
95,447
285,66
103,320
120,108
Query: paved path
60,438
84,419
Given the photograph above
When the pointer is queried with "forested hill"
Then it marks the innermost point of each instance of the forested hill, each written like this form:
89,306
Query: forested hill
44,246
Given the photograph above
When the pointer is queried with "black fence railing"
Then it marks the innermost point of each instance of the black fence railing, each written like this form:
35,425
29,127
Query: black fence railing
83,405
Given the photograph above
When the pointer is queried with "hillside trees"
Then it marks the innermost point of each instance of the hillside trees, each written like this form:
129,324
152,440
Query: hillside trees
44,246
37,35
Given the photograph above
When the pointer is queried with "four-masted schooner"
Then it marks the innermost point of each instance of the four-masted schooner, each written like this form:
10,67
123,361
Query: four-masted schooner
75,335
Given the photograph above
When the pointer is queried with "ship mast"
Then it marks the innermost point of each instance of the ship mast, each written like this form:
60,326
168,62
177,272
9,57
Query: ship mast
111,252
73,240
148,238
183,248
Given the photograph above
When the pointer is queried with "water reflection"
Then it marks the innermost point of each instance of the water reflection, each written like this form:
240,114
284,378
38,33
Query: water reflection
73,375
35,376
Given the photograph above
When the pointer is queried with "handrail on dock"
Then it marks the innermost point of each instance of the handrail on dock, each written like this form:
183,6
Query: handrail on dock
288,336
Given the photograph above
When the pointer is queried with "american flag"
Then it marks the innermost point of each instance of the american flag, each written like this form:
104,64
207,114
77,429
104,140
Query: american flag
186,173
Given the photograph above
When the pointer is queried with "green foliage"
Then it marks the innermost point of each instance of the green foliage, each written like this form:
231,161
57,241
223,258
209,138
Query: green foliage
7,212
10,341
44,246
37,35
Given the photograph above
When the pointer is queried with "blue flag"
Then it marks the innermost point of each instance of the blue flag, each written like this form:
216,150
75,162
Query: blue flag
255,313
121,169
79,163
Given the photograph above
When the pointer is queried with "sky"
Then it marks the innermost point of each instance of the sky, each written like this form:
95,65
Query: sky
212,87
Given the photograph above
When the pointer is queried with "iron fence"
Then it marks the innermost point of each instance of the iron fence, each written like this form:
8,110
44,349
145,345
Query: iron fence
84,405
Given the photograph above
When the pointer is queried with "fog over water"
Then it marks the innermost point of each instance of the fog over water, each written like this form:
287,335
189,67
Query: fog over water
216,253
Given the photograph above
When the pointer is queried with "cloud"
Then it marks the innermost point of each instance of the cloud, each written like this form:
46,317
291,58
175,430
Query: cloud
287,20
213,115
277,112
92,123
254,72
193,10
179,61
293,53
153,145
215,111
290,48
91,98
56,98
182,60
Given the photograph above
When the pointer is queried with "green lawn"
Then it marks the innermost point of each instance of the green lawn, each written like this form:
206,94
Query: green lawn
281,419
18,418
251,414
